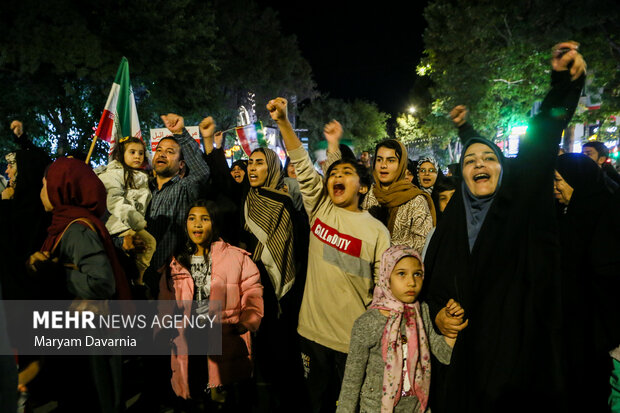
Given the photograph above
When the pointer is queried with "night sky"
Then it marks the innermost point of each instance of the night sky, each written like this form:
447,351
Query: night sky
358,51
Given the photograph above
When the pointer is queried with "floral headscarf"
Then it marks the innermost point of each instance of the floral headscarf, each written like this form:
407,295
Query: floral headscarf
418,360
429,159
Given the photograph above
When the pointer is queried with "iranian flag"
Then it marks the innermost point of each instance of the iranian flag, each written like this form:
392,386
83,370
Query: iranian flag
120,117
251,136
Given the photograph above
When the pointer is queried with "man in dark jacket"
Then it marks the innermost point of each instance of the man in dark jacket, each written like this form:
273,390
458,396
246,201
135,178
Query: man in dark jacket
598,152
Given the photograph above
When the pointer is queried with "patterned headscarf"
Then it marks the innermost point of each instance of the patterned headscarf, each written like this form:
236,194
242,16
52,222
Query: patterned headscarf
432,160
418,360
267,217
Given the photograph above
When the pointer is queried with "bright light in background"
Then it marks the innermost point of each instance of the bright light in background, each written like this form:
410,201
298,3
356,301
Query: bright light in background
518,130
411,109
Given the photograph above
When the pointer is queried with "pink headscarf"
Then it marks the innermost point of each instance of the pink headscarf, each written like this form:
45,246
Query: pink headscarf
418,360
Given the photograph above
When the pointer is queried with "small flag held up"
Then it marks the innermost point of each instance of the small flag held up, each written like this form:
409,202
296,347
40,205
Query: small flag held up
251,136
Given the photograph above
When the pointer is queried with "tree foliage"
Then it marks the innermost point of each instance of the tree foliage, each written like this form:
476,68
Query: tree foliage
493,56
363,123
58,60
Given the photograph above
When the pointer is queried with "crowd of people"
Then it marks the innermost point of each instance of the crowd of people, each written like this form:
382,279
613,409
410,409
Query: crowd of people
374,285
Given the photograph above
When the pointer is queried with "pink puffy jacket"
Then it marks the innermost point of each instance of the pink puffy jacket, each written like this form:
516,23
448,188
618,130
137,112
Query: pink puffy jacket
235,282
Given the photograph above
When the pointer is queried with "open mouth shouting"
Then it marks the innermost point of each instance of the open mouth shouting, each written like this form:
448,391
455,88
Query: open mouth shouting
338,189
482,177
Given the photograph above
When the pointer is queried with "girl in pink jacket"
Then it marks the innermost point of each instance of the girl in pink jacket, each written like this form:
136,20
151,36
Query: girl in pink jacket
209,269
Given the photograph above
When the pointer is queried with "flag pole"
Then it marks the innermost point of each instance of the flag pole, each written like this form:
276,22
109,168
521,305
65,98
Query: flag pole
90,151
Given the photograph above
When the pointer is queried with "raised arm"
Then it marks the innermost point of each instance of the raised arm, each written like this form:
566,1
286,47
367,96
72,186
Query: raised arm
310,182
459,118
333,133
198,168
539,147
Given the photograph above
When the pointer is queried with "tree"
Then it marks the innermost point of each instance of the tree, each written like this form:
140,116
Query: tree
363,123
493,57
257,62
59,58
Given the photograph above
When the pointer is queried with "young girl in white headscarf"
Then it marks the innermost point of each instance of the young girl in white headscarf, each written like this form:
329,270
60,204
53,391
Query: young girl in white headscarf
389,364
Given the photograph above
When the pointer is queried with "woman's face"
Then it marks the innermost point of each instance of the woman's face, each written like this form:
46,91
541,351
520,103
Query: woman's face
290,170
45,200
427,174
386,165
199,225
406,280
237,173
562,191
444,198
11,169
481,170
257,169
408,175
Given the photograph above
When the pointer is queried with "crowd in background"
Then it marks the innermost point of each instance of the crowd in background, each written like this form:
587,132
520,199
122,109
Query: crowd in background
343,289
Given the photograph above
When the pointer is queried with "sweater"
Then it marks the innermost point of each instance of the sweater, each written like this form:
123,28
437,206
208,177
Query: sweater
363,377
344,254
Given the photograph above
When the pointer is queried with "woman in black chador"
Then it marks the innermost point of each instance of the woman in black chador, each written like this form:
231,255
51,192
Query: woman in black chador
496,252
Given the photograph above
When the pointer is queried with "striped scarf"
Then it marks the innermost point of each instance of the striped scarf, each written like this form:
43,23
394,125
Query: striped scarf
270,221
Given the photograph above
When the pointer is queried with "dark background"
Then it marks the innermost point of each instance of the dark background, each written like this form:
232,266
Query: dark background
365,52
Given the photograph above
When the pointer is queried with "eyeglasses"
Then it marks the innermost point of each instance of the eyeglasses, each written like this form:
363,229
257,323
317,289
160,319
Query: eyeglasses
430,171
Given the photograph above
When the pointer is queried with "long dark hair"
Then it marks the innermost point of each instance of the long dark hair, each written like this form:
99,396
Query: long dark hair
118,154
186,248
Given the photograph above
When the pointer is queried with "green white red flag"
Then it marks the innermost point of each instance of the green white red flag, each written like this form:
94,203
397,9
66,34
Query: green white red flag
120,116
251,136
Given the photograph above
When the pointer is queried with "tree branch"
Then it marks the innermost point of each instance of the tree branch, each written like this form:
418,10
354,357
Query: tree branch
509,82
510,41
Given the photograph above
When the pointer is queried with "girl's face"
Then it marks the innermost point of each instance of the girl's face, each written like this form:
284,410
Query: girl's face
45,200
428,174
386,165
199,225
481,170
290,170
257,169
343,186
406,280
562,191
237,173
134,155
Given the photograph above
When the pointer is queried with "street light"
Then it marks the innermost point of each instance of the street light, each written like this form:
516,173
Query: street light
412,109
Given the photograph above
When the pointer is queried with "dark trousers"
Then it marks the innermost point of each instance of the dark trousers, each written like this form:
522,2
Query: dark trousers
323,373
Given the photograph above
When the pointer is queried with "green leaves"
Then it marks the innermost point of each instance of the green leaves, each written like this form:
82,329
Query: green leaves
494,56
363,123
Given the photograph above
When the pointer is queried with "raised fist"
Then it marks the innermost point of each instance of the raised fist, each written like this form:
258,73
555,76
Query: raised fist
333,132
17,127
218,139
277,109
565,54
207,127
174,123
459,115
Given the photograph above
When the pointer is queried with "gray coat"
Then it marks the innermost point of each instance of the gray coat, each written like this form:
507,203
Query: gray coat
363,378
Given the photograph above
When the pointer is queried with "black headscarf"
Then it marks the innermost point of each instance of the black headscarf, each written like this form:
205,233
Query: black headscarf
583,175
23,219
476,208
